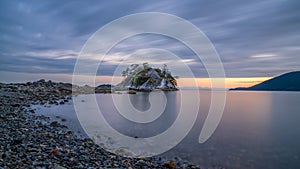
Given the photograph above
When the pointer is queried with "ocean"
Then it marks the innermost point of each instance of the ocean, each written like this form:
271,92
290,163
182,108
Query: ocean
258,129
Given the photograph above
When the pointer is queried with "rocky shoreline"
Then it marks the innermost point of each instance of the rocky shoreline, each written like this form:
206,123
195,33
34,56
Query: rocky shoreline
28,140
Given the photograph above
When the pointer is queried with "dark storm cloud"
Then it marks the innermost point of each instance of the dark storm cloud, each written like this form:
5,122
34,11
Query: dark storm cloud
253,38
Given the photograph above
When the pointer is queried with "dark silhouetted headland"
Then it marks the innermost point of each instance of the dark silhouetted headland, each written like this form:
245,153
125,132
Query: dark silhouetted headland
285,82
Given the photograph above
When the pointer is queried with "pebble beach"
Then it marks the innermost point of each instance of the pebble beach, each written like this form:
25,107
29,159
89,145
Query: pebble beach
30,140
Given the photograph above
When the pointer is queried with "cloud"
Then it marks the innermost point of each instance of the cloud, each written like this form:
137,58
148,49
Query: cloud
253,38
263,55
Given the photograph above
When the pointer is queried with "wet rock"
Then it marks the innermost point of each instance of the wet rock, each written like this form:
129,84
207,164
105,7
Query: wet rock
41,81
141,163
69,133
60,167
15,105
54,124
54,151
51,102
16,141
170,164
21,98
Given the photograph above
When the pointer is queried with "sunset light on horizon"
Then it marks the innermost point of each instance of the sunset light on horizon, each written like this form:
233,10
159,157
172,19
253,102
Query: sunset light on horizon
182,82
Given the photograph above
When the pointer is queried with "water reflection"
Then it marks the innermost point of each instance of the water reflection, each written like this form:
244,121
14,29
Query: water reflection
141,102
258,130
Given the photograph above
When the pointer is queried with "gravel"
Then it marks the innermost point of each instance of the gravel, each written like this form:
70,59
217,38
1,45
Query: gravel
29,140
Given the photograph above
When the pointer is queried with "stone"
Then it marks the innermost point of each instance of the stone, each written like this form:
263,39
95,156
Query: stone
170,164
60,167
54,124
141,163
54,151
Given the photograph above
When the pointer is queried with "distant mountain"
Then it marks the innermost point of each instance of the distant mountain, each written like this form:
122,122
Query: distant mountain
285,82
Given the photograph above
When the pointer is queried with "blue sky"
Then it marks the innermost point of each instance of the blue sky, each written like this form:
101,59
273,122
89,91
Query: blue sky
253,38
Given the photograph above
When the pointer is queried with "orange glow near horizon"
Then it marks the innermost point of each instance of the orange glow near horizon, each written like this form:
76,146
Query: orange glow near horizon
8,77
229,82
198,82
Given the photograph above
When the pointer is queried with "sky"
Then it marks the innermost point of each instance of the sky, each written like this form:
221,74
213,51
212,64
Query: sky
253,38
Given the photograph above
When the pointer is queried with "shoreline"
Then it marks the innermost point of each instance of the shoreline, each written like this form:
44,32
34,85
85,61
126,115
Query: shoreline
29,140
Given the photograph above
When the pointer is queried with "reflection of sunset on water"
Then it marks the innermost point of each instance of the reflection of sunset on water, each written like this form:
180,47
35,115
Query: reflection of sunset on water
230,82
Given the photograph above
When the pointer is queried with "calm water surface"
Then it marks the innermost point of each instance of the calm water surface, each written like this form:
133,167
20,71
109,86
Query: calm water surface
257,130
